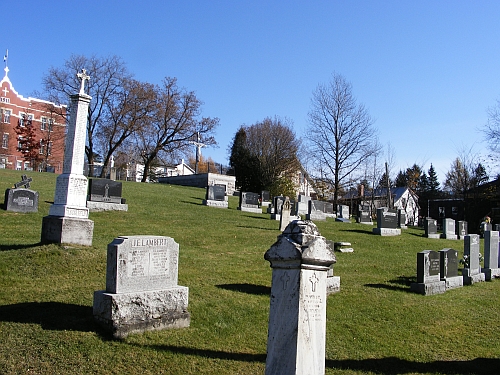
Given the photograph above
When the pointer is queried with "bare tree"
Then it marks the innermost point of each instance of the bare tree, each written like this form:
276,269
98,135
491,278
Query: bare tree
340,132
175,123
107,77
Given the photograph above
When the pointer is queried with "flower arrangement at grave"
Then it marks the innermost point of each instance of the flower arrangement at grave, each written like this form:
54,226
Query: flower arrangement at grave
465,261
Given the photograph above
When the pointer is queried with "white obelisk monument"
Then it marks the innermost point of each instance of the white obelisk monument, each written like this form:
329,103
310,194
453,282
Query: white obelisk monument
68,220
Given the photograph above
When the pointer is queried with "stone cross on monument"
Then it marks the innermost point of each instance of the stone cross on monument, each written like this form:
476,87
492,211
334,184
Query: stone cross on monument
68,217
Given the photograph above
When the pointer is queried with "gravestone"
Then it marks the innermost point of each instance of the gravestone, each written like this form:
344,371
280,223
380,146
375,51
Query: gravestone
449,268
105,195
68,221
303,205
21,198
215,196
277,203
449,229
249,202
141,287
472,269
364,215
387,222
430,228
285,214
329,212
343,214
332,281
265,198
316,211
300,260
491,268
428,274
402,219
462,230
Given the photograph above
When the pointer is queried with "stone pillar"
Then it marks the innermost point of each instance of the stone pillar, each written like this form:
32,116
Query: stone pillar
491,269
68,217
472,269
285,214
300,260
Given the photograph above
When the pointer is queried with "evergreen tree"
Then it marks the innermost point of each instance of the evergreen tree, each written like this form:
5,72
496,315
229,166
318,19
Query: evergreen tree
433,186
242,163
401,179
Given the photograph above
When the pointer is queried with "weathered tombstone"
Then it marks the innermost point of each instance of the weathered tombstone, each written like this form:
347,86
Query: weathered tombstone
402,219
215,196
430,228
316,211
249,202
285,214
105,195
491,269
303,205
300,259
449,268
364,216
472,269
21,199
277,203
141,287
462,230
329,212
449,229
343,213
387,222
68,221
428,274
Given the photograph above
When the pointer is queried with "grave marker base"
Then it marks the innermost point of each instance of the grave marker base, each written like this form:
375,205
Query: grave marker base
428,289
433,235
213,203
57,229
454,282
491,273
137,312
101,206
472,279
255,210
449,236
386,231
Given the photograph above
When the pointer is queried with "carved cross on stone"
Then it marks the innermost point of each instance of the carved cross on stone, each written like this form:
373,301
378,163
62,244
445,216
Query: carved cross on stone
25,181
314,280
84,77
285,279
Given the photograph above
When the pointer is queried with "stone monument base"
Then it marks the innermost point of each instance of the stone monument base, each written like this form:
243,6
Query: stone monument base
403,227
491,273
57,229
255,210
137,312
387,231
428,289
316,217
454,282
449,236
332,284
433,235
212,203
365,222
472,279
102,206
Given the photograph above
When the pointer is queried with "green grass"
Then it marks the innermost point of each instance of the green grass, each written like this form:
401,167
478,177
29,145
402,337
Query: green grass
374,325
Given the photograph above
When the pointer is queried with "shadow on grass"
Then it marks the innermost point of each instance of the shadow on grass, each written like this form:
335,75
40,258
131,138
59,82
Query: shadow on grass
395,366
194,203
403,284
51,316
19,247
390,365
356,231
261,228
247,288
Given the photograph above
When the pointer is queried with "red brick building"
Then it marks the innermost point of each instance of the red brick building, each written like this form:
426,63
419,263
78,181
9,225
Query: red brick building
49,124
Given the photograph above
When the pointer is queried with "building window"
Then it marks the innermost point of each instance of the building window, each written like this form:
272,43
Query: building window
19,145
49,148
19,165
43,126
27,166
6,115
5,140
42,147
51,123
3,163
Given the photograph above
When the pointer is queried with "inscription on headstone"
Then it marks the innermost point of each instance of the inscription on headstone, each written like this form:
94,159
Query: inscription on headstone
21,199
428,274
387,222
104,190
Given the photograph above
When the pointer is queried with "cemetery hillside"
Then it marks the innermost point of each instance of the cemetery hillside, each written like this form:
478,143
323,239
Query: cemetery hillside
375,324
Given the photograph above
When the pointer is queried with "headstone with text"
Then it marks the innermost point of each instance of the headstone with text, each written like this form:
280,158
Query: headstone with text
68,220
303,205
249,202
21,198
316,211
430,228
491,268
428,274
215,196
277,203
402,219
462,229
449,268
141,287
265,198
387,222
449,229
472,268
300,260
364,215
343,214
105,195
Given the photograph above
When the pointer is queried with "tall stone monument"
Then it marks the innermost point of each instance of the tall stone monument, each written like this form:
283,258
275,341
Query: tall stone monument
472,268
491,269
68,217
296,339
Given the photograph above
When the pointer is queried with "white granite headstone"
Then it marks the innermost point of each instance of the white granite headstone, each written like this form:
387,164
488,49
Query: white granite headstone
491,269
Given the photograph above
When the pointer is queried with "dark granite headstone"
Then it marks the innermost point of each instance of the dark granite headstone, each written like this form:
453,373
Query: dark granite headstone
401,218
249,199
316,206
216,193
329,208
462,229
428,266
265,196
278,202
387,218
449,263
104,190
21,200
364,217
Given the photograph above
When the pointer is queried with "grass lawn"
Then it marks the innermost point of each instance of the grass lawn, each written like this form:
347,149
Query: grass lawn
374,325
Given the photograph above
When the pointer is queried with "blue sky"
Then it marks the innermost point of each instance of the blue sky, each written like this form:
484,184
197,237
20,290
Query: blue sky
426,70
